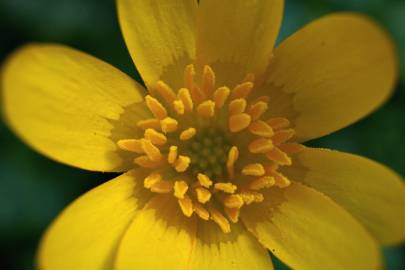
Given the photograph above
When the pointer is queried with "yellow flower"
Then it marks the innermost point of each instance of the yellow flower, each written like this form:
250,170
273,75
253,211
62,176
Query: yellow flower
214,170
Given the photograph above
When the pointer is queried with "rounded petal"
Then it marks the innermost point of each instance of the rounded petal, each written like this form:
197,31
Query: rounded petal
236,37
371,192
86,234
160,36
237,250
307,230
331,73
71,106
160,237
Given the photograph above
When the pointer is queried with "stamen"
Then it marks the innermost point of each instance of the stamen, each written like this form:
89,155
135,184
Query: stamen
281,180
220,96
291,148
251,196
219,219
257,110
172,156
206,109
278,123
262,98
162,187
250,77
208,80
232,157
165,92
145,162
261,128
151,151
279,156
233,214
233,201
239,122
185,97
262,182
157,109
203,195
178,106
149,123
237,106
187,134
260,146
242,90
182,163
168,125
155,137
225,187
204,180
186,206
180,189
255,169
132,145
151,179
282,136
201,211
189,73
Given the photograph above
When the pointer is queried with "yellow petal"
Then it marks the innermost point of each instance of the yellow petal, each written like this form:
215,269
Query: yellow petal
235,250
86,234
236,37
307,230
331,73
71,106
371,192
160,237
160,36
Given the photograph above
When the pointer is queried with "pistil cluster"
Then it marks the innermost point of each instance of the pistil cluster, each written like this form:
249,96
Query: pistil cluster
210,147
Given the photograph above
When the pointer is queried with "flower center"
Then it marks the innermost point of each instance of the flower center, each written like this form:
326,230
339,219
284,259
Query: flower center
210,147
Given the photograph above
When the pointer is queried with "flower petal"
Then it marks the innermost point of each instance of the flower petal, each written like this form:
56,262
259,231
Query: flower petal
160,237
307,230
331,73
371,192
236,250
86,235
236,37
160,36
71,106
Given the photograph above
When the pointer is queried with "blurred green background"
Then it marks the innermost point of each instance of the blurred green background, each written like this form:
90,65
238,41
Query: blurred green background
34,189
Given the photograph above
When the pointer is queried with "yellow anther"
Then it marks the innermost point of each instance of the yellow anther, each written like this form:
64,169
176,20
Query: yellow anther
261,128
178,106
254,169
281,180
278,156
186,206
203,194
151,179
237,106
201,211
233,201
220,220
197,94
150,150
145,162
157,109
239,122
260,146
172,156
204,180
133,145
155,137
149,123
282,136
220,96
278,123
251,197
233,155
180,189
262,98
185,97
257,110
182,163
162,187
291,148
189,73
262,182
232,214
165,92
206,109
226,187
208,80
168,124
242,90
187,134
